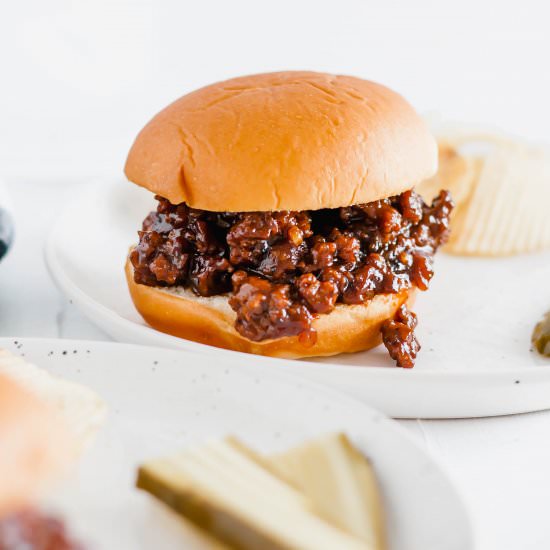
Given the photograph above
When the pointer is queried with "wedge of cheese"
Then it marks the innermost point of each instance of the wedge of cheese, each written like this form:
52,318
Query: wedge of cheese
340,481
227,491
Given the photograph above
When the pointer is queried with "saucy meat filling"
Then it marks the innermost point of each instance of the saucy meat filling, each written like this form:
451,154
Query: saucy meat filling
285,268
31,530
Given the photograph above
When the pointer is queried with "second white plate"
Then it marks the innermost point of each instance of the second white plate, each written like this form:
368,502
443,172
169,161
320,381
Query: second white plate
161,401
474,322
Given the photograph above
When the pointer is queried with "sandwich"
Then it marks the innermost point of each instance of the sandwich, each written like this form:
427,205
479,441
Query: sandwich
286,222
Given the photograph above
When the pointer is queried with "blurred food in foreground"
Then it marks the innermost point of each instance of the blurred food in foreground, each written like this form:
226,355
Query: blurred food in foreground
340,481
83,410
320,495
501,188
32,530
36,449
541,336
44,423
35,445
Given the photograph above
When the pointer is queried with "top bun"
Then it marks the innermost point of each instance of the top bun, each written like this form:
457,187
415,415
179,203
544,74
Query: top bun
283,141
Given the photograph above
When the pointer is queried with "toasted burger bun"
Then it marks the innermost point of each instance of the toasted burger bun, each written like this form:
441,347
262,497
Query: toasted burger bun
283,141
178,311
34,445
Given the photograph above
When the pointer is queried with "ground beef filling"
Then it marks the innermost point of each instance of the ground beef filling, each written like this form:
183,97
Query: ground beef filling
399,338
285,268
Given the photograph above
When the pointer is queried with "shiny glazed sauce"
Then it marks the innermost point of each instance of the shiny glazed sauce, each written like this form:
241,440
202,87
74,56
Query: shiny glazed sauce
282,269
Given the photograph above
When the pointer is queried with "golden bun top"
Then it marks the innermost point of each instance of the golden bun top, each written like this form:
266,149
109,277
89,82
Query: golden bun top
34,446
283,141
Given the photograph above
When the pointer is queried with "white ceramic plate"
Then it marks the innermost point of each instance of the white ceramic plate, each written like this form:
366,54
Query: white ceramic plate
162,400
474,322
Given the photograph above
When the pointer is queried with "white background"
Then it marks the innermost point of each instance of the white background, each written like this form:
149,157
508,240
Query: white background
79,79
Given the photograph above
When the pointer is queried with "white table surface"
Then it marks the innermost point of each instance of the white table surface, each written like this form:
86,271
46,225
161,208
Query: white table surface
501,465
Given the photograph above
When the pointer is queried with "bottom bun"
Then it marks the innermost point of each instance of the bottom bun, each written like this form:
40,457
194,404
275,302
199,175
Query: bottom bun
179,312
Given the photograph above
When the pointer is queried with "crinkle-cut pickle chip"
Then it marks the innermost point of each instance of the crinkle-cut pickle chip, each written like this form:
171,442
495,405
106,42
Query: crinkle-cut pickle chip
507,212
456,172
501,188
237,496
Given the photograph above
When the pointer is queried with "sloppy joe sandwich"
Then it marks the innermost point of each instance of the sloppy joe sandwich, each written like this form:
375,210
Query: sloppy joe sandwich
287,223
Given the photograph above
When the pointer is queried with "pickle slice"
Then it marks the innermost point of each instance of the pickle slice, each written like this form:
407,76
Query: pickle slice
340,481
226,490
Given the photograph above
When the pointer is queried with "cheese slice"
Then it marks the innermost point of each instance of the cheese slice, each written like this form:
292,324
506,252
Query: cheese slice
227,491
340,481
